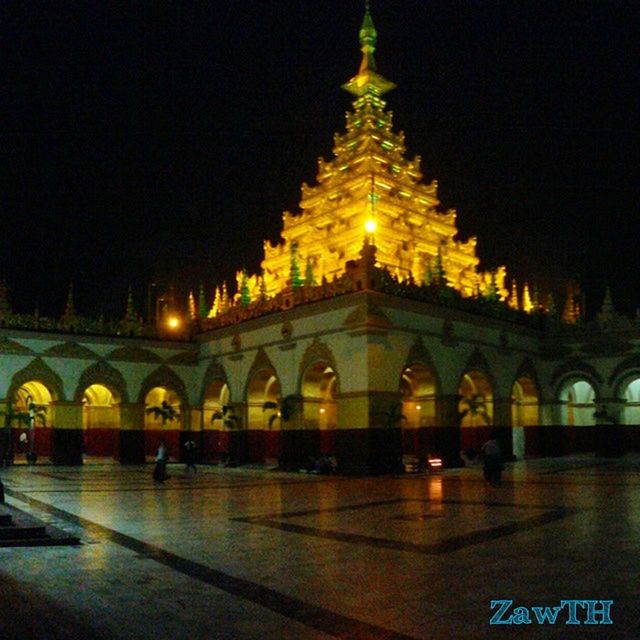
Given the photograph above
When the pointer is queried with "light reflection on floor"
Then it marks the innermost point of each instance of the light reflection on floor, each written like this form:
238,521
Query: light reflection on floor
251,553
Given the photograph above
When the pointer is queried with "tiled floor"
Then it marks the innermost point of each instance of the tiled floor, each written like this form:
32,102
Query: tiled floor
247,553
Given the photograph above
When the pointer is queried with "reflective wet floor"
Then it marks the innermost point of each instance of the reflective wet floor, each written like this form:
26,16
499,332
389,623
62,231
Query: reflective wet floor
244,554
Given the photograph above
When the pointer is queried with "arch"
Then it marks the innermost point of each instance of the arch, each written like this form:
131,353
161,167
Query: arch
577,397
626,370
163,377
476,398
525,410
215,396
100,419
158,396
317,351
32,391
39,371
102,373
575,368
263,386
264,414
215,371
318,387
419,387
629,389
528,370
418,353
475,407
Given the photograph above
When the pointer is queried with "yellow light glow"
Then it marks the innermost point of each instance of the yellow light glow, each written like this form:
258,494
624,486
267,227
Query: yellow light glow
370,226
173,322
418,407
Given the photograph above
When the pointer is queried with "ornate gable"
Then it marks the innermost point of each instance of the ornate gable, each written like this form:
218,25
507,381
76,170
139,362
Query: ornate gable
70,350
132,353
8,347
38,370
102,373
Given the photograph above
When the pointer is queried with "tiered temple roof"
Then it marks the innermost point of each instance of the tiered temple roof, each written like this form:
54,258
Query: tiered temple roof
370,190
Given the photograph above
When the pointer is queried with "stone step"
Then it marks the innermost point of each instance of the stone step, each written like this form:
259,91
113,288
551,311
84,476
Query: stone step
20,529
5,520
20,533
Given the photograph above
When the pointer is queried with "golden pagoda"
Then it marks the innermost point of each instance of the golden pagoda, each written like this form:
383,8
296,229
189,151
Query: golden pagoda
370,191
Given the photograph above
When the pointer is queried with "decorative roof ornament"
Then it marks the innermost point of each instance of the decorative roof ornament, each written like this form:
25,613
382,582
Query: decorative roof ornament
192,306
130,314
70,309
202,302
513,297
368,80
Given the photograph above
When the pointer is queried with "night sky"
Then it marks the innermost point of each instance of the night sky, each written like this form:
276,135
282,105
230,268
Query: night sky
161,141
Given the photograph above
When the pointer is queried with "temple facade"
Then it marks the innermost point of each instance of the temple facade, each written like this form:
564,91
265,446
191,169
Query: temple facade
369,337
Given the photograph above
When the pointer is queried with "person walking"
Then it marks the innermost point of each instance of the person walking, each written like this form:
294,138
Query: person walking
492,460
162,457
190,455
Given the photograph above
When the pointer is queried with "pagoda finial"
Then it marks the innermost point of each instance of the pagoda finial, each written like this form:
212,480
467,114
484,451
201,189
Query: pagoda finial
368,38
130,314
368,80
70,309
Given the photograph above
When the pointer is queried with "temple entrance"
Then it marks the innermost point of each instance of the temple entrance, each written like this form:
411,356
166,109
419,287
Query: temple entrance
418,389
162,421
100,420
318,389
264,416
577,398
476,410
524,412
33,398
216,421
631,411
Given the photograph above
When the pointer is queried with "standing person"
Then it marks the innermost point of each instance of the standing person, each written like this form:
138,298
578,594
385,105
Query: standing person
492,460
190,455
162,457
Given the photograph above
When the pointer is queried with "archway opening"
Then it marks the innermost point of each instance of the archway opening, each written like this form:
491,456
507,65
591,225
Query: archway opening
525,412
162,420
264,415
216,398
476,410
631,394
100,420
577,398
418,390
34,399
319,410
216,420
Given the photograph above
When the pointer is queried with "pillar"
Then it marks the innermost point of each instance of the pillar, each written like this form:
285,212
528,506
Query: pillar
609,438
369,436
131,433
67,433
238,437
446,440
299,441
502,426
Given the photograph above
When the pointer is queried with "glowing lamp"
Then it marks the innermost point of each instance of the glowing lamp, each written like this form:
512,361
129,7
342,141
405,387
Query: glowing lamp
435,464
173,322
370,226
418,407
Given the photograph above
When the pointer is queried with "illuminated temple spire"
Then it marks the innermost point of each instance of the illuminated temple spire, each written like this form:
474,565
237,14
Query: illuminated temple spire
368,80
370,192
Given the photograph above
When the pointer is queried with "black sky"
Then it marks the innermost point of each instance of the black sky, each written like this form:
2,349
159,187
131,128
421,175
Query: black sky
154,141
